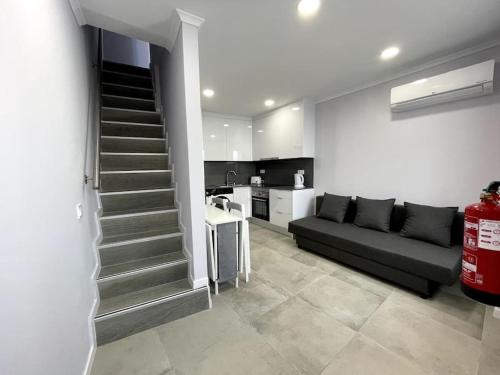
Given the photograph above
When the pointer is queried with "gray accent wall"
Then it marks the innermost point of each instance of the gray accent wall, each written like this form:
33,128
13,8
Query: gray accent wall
441,155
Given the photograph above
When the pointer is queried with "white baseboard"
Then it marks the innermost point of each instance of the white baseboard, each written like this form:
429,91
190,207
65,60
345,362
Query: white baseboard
93,338
198,283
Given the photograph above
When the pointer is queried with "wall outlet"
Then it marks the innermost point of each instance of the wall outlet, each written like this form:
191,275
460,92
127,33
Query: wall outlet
79,211
262,171
300,171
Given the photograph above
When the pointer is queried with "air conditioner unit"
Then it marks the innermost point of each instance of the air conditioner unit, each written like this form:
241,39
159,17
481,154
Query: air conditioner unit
472,81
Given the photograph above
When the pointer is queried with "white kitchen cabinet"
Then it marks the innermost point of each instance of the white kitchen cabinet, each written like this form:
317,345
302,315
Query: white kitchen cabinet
288,132
239,140
214,139
288,205
243,195
227,138
266,138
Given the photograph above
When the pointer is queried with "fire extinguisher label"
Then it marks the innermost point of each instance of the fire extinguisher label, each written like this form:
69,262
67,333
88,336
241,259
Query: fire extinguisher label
489,234
469,267
471,228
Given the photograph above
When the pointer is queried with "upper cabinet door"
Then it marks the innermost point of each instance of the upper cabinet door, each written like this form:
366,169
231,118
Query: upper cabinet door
239,140
266,138
288,132
214,139
292,125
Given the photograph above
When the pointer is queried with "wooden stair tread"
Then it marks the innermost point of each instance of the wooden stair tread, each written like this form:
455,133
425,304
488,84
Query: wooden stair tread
132,236
126,301
138,264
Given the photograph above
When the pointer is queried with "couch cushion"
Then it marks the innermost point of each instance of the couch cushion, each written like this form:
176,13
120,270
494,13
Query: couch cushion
430,224
374,213
334,207
416,257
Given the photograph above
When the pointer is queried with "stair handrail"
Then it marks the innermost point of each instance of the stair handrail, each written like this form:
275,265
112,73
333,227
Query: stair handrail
98,105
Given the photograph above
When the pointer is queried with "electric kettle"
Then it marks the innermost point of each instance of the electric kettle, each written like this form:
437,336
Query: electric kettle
299,181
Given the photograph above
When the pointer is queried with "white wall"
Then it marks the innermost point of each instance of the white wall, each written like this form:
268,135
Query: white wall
46,260
125,50
441,155
180,88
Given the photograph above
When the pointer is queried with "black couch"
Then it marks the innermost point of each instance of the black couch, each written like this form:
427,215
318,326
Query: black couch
415,264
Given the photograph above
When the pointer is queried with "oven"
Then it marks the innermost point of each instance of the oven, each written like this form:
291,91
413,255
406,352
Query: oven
260,203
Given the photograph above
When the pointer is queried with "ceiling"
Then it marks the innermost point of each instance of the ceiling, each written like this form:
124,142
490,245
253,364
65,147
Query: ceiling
259,49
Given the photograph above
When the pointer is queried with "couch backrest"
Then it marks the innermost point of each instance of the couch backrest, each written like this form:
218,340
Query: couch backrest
398,218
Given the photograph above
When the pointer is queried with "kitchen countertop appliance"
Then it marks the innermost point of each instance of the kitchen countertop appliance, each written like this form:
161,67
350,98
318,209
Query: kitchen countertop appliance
299,181
256,180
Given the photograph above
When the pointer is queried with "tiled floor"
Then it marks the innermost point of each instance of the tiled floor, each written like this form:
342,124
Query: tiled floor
303,314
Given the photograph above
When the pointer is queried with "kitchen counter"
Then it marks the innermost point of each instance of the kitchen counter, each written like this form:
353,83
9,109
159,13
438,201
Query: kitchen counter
278,187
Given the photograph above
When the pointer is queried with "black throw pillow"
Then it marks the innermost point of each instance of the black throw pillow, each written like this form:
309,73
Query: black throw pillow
430,224
374,213
334,207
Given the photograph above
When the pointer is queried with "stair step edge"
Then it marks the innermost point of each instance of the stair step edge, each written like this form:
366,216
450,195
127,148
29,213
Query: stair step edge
155,112
114,122
112,193
136,271
139,240
126,86
127,98
134,153
126,74
138,171
132,138
142,270
153,302
138,214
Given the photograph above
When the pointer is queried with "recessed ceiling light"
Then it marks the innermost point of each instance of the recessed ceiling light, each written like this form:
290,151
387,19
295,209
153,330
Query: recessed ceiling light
295,108
389,53
212,135
208,93
260,131
308,8
249,126
226,125
419,81
269,103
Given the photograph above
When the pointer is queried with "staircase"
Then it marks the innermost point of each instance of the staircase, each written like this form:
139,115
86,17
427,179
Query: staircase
143,281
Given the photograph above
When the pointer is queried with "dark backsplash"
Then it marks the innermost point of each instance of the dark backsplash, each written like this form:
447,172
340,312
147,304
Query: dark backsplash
278,172
215,172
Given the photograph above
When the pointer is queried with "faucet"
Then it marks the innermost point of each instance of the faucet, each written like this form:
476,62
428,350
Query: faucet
227,177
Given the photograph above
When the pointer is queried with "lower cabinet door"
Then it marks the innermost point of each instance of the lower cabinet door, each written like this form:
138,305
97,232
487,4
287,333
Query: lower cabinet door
280,218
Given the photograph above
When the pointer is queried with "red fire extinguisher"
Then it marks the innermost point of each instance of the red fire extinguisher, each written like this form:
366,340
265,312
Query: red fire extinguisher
481,256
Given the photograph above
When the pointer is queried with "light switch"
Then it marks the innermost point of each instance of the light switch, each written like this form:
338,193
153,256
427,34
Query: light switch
79,211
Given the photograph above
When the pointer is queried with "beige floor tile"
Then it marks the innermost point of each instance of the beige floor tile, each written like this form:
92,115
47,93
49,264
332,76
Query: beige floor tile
489,364
283,272
364,281
140,354
252,300
459,313
364,356
241,350
313,260
195,333
285,246
264,235
435,347
304,336
345,302
491,332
